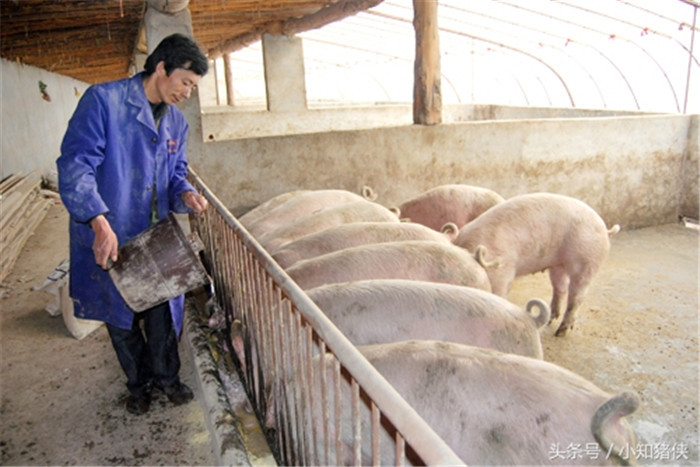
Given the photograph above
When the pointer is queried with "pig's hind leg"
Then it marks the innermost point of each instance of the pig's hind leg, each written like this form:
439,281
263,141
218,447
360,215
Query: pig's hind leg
577,290
560,286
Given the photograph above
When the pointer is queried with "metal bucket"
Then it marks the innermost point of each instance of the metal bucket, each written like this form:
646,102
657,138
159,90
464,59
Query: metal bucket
157,265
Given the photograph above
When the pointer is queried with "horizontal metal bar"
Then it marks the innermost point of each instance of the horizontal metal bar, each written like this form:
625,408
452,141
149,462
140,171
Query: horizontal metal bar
412,428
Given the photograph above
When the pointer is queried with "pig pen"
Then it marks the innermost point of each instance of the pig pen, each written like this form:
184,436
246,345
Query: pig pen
282,329
620,341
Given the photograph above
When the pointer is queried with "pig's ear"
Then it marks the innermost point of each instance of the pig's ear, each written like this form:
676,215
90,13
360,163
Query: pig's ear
480,257
450,230
612,432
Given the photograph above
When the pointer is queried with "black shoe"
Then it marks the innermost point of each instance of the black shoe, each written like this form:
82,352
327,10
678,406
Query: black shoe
179,393
138,405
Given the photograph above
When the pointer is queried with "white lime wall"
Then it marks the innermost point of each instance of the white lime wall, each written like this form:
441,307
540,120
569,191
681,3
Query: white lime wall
32,128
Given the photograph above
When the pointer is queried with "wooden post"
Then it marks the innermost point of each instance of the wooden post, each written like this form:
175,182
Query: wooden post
215,70
228,76
427,95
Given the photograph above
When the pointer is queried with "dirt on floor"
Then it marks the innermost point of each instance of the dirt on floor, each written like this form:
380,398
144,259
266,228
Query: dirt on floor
62,399
637,329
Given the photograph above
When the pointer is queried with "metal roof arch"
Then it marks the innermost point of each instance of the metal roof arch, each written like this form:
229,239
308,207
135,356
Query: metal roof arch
548,37
634,54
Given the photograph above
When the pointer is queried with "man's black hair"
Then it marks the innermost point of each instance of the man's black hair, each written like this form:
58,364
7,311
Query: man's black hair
177,51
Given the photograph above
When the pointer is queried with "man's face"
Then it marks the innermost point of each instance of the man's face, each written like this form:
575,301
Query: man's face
178,86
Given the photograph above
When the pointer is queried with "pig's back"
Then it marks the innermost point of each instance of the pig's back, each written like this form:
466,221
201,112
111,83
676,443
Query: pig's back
320,221
299,206
350,235
490,407
454,203
532,225
416,260
263,208
385,310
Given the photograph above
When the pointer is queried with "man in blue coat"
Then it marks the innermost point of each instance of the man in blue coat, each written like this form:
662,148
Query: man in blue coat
123,167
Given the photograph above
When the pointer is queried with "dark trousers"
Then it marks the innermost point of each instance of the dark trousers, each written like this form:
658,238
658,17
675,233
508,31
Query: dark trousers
148,356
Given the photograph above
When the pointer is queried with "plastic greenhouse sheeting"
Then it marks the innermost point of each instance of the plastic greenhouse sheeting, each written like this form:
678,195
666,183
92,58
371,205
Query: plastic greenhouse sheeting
639,55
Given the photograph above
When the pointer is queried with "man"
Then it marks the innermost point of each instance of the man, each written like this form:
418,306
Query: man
123,167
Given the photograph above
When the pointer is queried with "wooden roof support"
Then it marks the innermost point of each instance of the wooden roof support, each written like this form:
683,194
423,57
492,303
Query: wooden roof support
427,93
329,14
228,76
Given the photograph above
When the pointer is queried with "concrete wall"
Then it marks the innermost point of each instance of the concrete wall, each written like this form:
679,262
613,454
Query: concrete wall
221,123
636,170
33,128
690,172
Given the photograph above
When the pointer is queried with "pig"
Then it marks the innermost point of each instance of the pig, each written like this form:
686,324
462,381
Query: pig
533,232
454,203
385,310
490,407
262,209
353,234
416,260
300,206
319,221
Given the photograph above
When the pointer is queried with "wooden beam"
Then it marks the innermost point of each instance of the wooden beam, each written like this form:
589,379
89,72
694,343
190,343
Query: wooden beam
427,93
330,14
237,43
327,15
228,74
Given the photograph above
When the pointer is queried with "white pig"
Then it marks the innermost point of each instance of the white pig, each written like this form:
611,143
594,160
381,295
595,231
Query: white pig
454,203
416,260
386,310
490,407
262,209
353,212
533,232
300,206
353,234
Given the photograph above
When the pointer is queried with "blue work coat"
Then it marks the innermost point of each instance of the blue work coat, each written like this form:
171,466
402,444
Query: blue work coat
109,156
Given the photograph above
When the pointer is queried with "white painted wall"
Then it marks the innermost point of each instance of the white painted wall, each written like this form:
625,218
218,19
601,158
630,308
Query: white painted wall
32,128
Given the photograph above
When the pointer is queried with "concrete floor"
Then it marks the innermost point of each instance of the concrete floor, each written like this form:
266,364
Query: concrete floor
62,399
637,329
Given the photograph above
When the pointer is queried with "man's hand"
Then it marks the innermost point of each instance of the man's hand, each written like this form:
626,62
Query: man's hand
195,201
106,244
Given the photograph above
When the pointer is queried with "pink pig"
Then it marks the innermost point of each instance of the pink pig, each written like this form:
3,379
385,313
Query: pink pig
533,232
352,212
415,260
454,203
252,216
385,310
301,205
353,234
490,408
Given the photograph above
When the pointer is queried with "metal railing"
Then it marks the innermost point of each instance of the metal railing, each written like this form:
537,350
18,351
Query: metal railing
335,410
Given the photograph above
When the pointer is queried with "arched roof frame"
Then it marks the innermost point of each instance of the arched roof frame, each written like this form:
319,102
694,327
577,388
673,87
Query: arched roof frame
472,9
594,56
562,49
